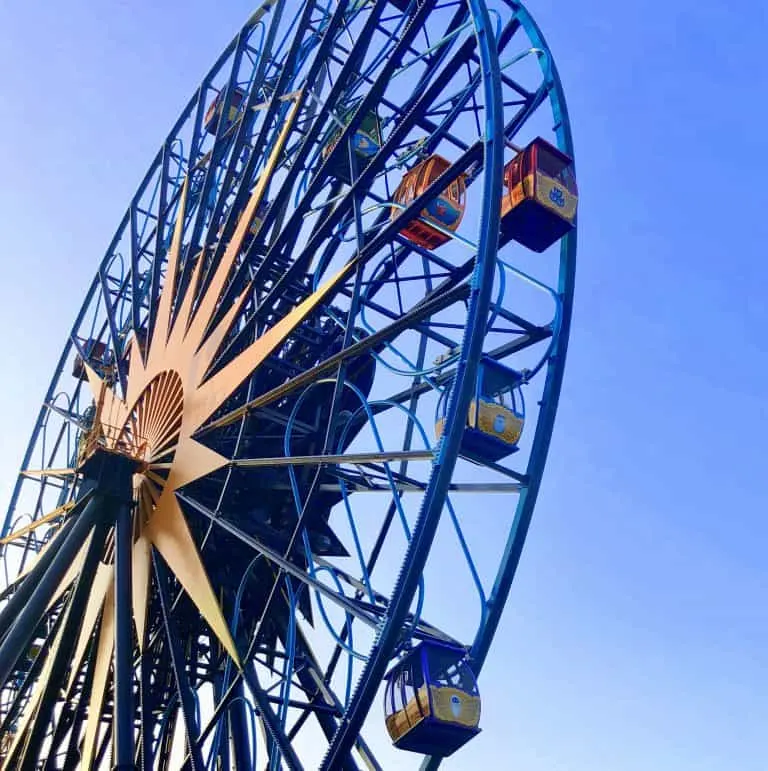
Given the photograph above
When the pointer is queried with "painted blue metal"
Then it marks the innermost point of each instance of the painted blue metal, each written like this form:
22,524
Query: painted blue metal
554,375
300,504
287,752
109,310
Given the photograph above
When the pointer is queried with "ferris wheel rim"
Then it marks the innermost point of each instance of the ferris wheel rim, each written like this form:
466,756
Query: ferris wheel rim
458,403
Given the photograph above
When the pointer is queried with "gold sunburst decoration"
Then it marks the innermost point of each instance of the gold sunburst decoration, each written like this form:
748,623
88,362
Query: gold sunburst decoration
169,395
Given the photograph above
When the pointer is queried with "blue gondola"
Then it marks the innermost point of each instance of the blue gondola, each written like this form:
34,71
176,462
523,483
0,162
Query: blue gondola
431,701
366,142
496,413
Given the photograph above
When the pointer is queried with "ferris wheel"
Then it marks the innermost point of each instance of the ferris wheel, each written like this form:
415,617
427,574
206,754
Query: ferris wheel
279,485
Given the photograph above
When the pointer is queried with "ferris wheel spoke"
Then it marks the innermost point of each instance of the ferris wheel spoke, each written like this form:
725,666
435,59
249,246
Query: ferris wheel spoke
385,234
318,460
159,246
79,699
109,310
293,223
27,607
50,517
205,313
260,142
385,334
287,752
283,563
59,655
242,137
134,249
315,684
183,688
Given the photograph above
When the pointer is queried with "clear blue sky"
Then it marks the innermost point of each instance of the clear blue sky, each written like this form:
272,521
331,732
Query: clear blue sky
636,636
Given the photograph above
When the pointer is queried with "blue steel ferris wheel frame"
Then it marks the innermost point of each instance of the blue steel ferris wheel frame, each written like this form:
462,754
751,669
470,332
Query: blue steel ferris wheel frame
467,369
479,304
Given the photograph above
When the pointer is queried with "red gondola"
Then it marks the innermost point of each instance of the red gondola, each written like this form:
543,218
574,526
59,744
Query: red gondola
445,210
213,113
95,353
538,205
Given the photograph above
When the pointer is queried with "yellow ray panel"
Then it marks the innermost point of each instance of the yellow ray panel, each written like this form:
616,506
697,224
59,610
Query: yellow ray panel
210,346
102,582
185,311
193,461
51,515
100,678
140,585
169,533
213,392
48,472
208,303
162,322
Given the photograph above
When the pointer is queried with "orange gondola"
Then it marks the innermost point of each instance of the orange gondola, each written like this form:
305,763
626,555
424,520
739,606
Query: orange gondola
445,210
538,205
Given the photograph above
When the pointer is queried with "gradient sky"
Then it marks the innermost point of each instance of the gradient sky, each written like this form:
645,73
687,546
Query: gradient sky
636,636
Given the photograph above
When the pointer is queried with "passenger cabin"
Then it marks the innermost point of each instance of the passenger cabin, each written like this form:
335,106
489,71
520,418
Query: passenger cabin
431,700
96,354
256,223
213,113
538,204
496,414
445,210
366,142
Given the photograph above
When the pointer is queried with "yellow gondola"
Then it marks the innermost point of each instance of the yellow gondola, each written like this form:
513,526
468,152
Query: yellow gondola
496,414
